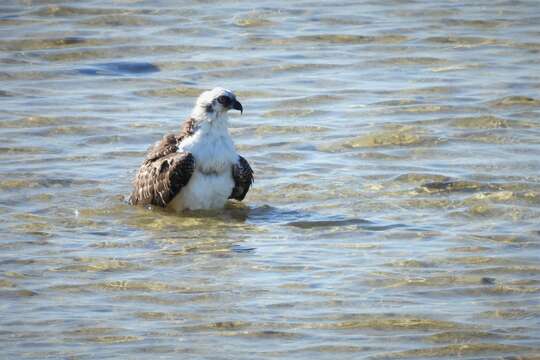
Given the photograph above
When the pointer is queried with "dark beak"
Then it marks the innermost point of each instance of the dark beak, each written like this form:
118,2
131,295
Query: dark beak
237,106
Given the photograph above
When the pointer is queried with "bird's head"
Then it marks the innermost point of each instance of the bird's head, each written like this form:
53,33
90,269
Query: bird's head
216,102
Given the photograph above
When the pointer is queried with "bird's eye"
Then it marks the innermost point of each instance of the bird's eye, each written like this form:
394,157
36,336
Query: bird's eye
224,100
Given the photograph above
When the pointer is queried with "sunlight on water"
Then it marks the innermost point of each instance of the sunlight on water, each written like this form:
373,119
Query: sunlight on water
396,149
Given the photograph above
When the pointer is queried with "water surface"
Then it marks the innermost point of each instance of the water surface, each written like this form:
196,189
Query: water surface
396,147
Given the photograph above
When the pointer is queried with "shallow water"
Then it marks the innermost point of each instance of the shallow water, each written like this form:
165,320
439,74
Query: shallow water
395,211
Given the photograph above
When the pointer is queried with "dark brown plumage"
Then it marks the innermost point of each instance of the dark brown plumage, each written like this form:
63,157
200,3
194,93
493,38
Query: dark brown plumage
162,175
243,178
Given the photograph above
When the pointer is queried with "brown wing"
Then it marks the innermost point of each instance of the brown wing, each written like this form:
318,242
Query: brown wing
243,178
163,173
169,143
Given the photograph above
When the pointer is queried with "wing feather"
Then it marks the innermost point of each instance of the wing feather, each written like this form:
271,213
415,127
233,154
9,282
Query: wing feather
163,173
243,178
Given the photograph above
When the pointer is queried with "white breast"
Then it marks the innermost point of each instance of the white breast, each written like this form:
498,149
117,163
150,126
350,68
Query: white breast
211,183
204,192
212,148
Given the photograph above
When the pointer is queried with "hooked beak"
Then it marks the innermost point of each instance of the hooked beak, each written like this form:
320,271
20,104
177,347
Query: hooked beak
238,106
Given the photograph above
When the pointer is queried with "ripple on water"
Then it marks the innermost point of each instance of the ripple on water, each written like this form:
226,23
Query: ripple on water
44,121
67,11
99,265
402,136
386,322
489,122
118,20
120,68
254,21
465,41
465,336
395,148
457,186
409,61
331,39
170,92
458,350
327,223
477,23
433,179
40,43
22,150
44,182
515,101
279,130
512,314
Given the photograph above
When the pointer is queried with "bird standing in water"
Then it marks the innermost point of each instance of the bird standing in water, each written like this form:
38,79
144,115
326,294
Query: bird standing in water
199,167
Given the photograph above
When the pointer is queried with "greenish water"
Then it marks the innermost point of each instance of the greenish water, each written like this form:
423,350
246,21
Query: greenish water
396,147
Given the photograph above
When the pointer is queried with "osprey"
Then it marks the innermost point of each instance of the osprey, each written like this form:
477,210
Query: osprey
197,168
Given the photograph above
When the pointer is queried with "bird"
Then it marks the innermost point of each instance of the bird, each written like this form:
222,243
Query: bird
197,168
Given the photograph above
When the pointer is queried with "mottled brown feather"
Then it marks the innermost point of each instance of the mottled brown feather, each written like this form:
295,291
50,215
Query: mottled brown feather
164,171
243,178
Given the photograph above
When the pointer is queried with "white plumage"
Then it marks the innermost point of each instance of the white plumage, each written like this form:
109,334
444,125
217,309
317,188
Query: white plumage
212,182
212,147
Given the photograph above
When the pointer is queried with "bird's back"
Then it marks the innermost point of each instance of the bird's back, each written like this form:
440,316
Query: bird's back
164,171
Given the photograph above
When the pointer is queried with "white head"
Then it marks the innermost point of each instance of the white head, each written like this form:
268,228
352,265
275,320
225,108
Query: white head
215,103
